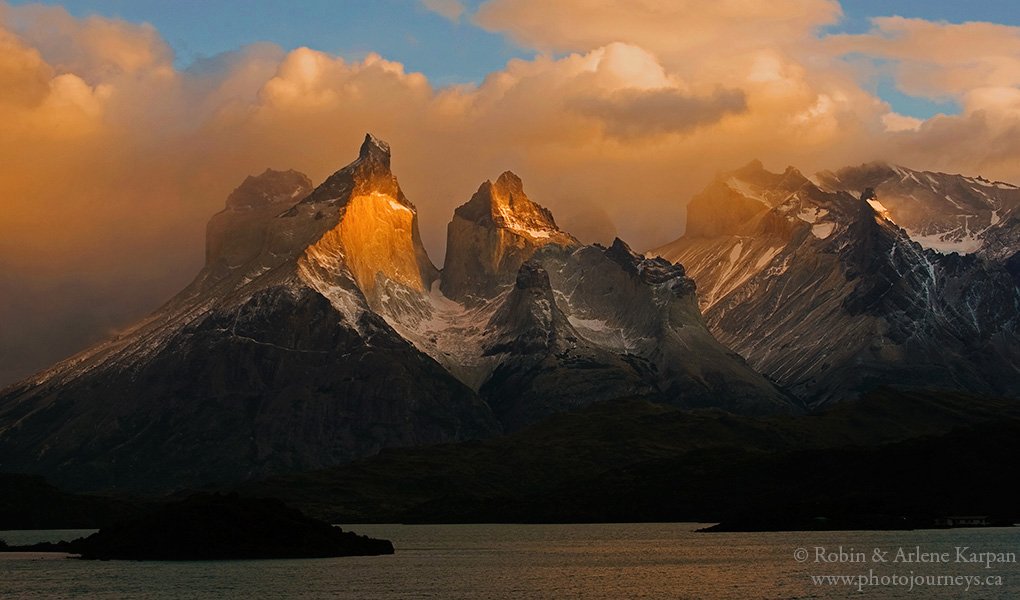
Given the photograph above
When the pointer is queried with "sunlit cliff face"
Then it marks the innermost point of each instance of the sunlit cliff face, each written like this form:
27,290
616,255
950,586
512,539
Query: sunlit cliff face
378,230
359,225
492,234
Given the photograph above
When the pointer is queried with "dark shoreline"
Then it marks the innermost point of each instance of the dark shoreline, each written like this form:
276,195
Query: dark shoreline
216,527
894,460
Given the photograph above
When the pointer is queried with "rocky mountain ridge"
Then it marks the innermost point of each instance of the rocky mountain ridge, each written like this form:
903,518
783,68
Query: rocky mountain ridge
823,290
271,360
319,331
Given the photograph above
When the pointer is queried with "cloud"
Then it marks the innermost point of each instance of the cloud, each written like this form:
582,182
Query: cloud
95,47
589,224
112,160
983,139
632,113
897,122
26,75
940,60
665,27
975,64
450,9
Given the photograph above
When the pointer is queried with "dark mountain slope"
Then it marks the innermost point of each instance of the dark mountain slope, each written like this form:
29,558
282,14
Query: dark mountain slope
634,460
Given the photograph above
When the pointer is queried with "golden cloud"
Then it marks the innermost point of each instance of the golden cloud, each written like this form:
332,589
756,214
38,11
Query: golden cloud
666,27
941,60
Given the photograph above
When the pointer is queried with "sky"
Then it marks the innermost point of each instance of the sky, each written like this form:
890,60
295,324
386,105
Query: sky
124,124
446,50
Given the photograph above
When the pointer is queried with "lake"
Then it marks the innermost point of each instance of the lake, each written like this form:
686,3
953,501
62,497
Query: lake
602,561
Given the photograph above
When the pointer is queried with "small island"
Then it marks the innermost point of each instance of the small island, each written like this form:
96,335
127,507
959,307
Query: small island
849,522
218,527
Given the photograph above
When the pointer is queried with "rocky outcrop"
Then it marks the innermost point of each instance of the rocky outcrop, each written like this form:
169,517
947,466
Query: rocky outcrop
374,234
561,325
645,309
237,234
492,235
544,365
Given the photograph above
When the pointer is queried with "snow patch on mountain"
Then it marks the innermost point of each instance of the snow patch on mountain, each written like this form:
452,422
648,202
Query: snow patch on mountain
321,269
746,189
510,221
947,243
811,214
735,252
452,333
822,230
767,256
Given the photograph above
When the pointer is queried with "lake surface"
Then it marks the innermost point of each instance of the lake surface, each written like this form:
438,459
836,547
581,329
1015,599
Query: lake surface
552,561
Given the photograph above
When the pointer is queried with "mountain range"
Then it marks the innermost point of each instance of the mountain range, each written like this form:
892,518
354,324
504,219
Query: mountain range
839,283
319,330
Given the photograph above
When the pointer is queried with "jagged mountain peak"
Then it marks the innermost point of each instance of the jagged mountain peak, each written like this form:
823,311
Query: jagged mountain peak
492,234
375,149
756,174
269,187
532,275
943,212
528,320
738,194
237,234
505,204
352,238
736,200
752,168
621,253
652,271
374,230
620,248
369,173
508,183
872,231
871,208
543,365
